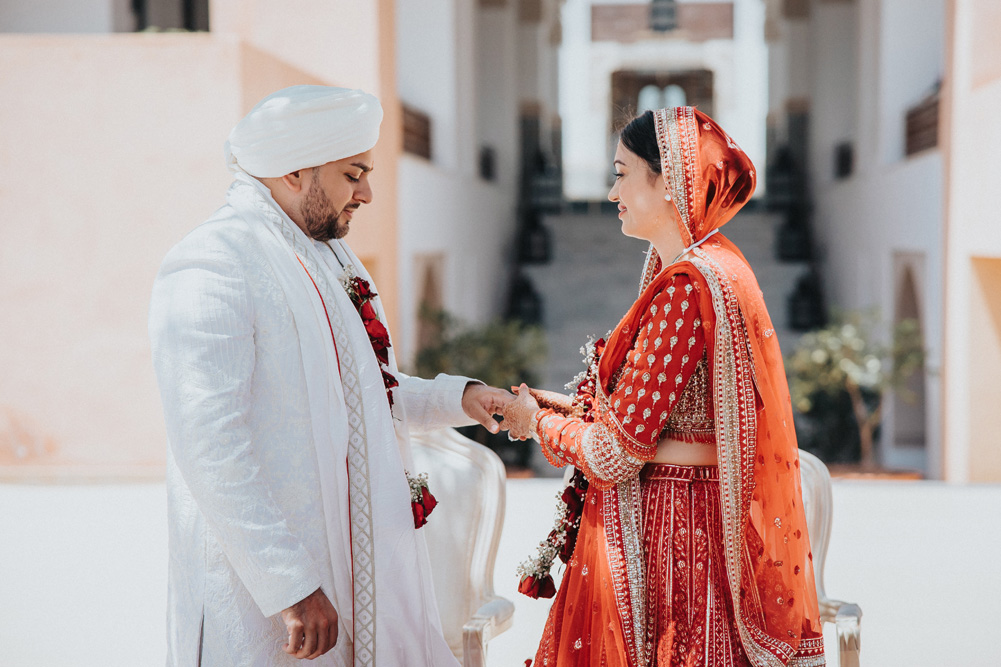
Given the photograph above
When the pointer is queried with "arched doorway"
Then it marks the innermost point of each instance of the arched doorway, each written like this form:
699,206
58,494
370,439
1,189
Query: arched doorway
636,91
651,97
909,423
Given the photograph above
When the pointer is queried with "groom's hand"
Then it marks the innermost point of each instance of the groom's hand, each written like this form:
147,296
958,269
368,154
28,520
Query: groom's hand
311,625
481,403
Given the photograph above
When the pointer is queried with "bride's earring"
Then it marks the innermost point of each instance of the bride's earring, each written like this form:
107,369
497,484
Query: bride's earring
667,197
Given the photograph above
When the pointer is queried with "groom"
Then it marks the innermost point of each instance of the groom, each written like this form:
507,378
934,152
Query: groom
289,473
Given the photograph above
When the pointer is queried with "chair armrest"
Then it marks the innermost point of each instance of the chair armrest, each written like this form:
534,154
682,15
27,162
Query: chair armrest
490,620
848,619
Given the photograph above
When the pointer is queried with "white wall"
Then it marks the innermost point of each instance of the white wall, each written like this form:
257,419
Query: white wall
862,223
912,59
971,100
584,128
497,89
102,193
63,16
869,62
538,59
336,41
740,73
465,66
835,84
426,69
468,221
747,109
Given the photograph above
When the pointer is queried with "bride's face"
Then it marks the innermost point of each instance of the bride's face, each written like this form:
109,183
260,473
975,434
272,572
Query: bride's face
639,193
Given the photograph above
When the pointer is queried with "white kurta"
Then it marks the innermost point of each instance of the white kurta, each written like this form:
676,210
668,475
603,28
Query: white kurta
248,535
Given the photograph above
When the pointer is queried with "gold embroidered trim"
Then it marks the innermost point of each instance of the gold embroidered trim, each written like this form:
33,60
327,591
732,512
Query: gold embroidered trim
675,163
605,455
649,268
630,511
808,661
554,449
362,530
688,132
691,418
733,392
621,506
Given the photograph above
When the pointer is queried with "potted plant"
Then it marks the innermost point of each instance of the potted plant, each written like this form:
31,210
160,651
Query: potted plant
844,366
503,353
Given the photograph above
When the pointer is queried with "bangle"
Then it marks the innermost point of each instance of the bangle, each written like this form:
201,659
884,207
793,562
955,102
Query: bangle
533,424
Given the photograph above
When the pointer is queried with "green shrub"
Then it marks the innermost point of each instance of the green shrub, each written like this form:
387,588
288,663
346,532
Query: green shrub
843,368
501,353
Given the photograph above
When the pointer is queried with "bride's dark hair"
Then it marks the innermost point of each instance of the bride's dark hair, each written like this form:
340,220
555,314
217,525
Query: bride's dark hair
640,137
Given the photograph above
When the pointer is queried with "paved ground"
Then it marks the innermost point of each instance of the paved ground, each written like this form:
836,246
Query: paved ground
84,567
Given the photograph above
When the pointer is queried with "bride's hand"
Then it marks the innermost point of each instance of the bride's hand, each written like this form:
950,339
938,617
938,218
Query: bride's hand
519,414
561,403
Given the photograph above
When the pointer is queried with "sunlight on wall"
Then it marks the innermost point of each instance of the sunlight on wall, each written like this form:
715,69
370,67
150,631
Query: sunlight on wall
985,394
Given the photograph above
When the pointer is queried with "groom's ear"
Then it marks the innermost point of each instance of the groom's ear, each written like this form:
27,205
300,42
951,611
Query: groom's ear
293,181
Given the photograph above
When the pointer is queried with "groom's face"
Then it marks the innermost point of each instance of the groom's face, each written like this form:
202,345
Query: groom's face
332,193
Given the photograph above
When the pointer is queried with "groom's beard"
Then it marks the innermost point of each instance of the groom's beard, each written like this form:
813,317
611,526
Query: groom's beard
321,218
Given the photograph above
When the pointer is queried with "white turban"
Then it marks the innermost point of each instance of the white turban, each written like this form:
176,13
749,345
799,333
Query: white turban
301,127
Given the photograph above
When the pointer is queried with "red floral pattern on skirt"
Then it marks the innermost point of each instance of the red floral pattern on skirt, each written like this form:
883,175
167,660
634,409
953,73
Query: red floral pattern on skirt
689,610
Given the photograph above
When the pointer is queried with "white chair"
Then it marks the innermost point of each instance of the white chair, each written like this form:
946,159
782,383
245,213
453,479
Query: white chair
462,535
817,501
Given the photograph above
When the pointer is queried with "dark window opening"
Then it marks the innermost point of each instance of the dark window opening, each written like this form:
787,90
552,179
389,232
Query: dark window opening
663,15
191,15
922,124
844,158
416,132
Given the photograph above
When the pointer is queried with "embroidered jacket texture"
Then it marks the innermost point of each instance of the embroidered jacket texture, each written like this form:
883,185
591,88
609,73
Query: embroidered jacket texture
645,400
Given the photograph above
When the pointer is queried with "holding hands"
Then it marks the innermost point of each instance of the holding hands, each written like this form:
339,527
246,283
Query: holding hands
481,403
518,409
519,414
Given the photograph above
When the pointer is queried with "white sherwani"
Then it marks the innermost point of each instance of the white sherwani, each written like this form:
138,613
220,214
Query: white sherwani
260,460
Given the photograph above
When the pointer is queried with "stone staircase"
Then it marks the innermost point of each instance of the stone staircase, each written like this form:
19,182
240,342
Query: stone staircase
594,274
754,233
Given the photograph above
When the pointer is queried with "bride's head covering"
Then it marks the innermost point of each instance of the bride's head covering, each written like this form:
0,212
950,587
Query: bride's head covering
301,127
709,177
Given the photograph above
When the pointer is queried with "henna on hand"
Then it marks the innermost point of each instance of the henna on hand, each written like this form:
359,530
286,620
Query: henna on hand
519,414
555,401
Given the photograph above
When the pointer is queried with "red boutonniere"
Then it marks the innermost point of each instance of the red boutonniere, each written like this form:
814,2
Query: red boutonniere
421,500
361,294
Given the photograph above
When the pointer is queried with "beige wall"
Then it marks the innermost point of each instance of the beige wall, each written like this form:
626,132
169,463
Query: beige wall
113,151
984,367
341,43
101,174
334,40
972,137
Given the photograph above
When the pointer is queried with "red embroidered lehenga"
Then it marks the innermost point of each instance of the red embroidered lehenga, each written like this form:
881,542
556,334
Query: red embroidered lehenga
680,565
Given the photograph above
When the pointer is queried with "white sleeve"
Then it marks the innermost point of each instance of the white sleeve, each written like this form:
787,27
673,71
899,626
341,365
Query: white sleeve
433,404
202,333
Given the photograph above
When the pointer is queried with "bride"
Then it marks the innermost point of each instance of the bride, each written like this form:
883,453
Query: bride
683,530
